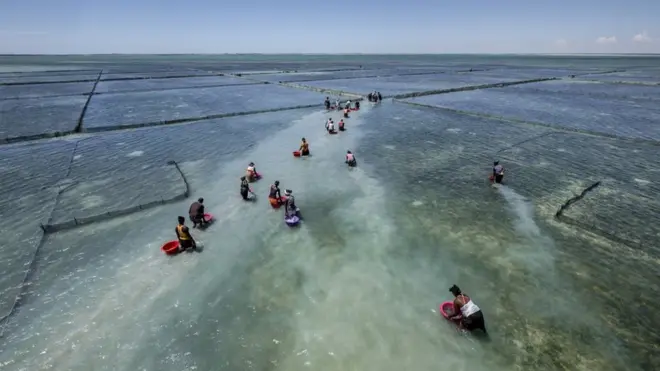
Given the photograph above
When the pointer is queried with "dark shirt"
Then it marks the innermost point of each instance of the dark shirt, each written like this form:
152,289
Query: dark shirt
196,209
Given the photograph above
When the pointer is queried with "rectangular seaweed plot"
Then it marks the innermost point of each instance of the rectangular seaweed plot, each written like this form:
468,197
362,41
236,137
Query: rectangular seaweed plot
433,138
29,167
48,79
22,235
605,158
153,74
616,117
28,176
395,85
4,75
145,108
321,75
39,116
527,73
642,76
105,197
624,92
574,161
121,153
45,90
615,212
169,83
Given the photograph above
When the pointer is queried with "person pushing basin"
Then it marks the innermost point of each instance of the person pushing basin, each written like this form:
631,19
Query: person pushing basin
304,147
245,189
342,125
350,159
275,196
498,172
290,208
331,127
186,241
251,173
196,213
470,315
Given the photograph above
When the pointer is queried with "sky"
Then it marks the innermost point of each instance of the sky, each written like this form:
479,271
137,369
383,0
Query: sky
341,26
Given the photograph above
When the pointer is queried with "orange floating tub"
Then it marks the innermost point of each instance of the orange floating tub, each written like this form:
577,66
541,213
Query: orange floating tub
275,203
171,247
296,153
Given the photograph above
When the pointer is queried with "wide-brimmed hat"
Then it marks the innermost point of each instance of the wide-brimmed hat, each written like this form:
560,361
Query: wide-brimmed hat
288,192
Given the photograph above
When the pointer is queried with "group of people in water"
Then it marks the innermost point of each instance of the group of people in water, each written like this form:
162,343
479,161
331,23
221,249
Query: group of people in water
468,315
196,215
375,97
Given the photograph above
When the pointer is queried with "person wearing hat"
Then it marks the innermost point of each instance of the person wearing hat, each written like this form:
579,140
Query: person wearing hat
467,311
196,213
290,207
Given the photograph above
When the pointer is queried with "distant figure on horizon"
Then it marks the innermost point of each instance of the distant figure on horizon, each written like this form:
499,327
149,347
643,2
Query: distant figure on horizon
357,105
380,97
370,97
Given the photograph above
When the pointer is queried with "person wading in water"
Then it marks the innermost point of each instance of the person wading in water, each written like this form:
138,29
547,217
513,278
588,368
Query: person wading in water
467,311
186,240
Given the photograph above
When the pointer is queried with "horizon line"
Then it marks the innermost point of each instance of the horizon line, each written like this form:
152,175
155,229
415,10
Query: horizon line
322,54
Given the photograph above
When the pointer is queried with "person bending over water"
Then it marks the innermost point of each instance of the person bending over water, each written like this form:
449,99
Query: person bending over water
338,104
331,127
350,159
469,313
252,172
357,105
275,196
304,147
346,111
290,207
196,213
498,172
245,188
186,240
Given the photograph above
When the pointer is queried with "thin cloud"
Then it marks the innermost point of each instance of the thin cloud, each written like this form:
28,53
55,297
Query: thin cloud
561,43
642,37
604,40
